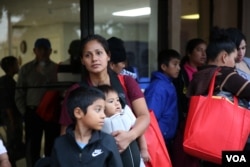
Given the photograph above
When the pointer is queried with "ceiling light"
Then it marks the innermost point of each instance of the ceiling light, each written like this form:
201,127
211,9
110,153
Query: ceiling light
195,16
16,19
133,12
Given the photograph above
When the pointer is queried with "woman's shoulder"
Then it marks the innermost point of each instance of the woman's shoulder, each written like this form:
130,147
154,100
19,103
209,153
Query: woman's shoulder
128,78
227,70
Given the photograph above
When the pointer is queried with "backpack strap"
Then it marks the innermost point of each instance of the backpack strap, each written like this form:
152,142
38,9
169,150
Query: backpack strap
119,86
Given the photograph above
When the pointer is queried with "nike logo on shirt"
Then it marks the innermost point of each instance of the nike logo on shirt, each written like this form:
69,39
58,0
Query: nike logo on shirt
97,152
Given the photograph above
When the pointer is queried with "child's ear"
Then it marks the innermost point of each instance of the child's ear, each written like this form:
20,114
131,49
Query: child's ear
78,113
164,67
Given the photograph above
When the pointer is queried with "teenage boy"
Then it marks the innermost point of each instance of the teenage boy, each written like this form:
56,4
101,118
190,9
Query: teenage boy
161,94
84,144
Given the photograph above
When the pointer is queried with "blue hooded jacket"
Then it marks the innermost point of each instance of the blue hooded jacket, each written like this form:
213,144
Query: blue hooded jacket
161,97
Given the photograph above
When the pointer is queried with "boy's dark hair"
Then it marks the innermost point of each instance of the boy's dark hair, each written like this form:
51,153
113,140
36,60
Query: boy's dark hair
165,56
8,62
83,97
219,41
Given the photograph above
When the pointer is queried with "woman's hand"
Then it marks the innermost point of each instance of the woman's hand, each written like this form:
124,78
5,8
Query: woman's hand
123,139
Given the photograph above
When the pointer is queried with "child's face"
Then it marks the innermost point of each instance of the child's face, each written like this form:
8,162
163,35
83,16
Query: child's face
173,68
113,104
94,118
118,67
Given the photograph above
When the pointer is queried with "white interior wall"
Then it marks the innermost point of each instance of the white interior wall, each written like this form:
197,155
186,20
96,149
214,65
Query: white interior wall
60,36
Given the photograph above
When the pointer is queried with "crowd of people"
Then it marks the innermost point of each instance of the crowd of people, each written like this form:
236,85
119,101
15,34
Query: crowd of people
102,120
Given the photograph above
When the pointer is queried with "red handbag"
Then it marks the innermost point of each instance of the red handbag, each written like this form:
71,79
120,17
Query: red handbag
156,145
155,142
215,124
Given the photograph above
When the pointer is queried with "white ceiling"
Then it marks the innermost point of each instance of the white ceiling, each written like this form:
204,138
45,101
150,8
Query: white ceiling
41,12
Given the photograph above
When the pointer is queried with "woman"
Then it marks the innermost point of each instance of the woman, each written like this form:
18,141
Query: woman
221,54
195,57
95,58
242,63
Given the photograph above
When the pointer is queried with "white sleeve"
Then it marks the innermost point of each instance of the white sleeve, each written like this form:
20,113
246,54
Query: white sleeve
2,147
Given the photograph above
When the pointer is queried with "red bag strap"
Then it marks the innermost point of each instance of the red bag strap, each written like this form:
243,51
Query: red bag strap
211,85
122,81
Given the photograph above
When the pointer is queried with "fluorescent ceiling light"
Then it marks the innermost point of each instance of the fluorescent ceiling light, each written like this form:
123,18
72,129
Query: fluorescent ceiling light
16,19
191,16
133,12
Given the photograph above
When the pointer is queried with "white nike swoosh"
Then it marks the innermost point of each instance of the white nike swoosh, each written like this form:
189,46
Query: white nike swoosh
94,154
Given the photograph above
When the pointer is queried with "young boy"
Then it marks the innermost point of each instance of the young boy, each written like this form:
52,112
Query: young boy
161,94
123,119
9,113
84,144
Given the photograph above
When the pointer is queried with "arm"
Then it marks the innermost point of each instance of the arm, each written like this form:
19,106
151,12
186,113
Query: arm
124,138
4,160
161,98
9,112
140,110
144,148
114,159
20,94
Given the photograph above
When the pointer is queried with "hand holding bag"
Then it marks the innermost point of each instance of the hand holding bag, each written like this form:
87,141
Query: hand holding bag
215,124
156,146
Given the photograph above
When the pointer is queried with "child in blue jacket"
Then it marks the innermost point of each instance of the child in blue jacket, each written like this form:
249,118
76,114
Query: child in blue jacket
161,94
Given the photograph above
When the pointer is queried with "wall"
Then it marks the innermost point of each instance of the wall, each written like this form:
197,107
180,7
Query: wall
225,13
60,36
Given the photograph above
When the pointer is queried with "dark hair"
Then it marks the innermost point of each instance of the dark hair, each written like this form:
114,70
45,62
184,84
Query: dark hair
165,56
117,50
236,36
8,62
99,39
107,88
83,97
191,45
75,55
219,41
